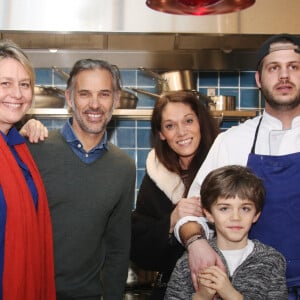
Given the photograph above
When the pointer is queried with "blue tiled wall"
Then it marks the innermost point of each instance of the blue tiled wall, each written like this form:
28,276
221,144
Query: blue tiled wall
134,135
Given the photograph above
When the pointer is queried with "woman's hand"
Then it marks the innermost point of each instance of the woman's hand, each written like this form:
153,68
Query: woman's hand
185,207
34,130
202,256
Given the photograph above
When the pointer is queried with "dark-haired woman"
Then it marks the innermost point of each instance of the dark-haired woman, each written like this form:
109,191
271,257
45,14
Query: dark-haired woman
182,133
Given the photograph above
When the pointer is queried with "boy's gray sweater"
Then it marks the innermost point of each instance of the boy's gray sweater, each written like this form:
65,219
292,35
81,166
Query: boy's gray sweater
260,276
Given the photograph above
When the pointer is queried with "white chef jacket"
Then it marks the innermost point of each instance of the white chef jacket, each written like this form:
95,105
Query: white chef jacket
233,146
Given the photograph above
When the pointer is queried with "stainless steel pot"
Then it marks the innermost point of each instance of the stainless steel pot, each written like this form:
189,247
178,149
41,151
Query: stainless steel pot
138,277
48,97
128,100
204,99
173,80
220,103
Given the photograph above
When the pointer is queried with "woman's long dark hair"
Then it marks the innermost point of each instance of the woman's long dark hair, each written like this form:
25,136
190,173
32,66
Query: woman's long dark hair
208,129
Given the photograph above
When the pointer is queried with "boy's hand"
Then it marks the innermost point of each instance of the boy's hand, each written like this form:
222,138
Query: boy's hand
216,279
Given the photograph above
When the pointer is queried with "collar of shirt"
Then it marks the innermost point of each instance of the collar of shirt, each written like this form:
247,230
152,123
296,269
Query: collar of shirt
280,141
76,146
13,137
276,124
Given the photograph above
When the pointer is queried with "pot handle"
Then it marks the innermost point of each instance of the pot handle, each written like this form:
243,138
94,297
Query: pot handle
144,92
152,74
61,72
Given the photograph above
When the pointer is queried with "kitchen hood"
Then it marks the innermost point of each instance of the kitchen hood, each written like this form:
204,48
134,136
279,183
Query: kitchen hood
133,50
130,34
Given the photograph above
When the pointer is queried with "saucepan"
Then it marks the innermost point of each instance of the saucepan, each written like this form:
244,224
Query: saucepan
128,100
48,97
178,80
206,101
220,103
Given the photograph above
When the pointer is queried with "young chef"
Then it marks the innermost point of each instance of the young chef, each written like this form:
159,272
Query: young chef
269,145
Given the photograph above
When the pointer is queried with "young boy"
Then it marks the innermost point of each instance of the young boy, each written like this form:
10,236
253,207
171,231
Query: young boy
232,199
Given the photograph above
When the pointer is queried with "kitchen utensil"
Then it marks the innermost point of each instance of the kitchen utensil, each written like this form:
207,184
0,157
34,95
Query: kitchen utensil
180,80
138,277
204,99
128,100
154,95
48,97
61,72
220,103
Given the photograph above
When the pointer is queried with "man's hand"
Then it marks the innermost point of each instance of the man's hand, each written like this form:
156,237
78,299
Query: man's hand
202,256
185,207
34,130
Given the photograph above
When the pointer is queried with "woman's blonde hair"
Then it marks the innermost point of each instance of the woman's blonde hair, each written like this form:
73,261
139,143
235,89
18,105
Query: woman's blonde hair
9,49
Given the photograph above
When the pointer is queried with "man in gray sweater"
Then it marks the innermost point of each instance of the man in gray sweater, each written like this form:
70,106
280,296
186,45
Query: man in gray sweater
90,186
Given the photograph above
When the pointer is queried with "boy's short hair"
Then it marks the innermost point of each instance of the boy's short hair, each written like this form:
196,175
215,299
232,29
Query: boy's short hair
229,182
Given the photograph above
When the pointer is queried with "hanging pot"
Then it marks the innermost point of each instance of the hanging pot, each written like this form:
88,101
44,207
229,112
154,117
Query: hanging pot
206,101
48,97
220,103
182,80
128,100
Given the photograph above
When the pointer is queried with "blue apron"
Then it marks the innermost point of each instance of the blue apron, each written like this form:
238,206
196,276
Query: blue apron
279,223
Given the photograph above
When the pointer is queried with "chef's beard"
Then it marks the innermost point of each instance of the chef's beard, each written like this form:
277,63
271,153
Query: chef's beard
279,105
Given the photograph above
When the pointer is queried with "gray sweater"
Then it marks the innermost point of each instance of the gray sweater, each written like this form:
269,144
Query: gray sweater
260,276
90,207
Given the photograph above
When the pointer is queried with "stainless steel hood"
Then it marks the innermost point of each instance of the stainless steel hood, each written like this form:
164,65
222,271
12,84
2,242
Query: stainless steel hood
132,16
130,34
154,51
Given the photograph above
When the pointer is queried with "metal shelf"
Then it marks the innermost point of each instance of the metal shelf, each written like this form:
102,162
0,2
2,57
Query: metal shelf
140,114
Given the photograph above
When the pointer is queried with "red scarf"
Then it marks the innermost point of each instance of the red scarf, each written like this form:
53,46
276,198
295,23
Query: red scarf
28,254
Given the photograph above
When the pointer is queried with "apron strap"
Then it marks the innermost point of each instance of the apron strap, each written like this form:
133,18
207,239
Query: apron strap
294,293
255,136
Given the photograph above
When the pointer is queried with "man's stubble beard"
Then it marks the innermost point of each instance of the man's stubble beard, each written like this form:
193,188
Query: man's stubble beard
81,123
277,104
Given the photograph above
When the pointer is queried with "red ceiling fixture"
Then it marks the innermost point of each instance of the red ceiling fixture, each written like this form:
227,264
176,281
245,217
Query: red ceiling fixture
199,7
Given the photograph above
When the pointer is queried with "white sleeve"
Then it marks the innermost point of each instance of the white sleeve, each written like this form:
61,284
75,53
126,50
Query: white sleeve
214,159
200,220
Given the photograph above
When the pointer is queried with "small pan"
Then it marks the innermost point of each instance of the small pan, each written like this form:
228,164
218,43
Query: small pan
48,97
